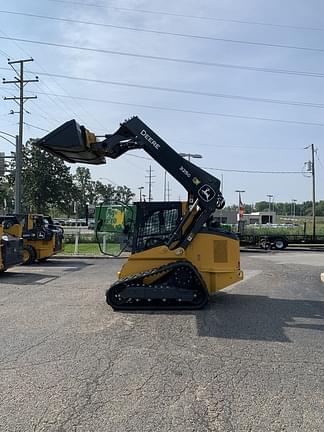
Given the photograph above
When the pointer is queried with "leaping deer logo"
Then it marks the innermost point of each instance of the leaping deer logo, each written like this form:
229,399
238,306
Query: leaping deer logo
206,193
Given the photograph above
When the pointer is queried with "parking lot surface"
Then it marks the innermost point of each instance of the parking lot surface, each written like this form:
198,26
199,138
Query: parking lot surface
252,360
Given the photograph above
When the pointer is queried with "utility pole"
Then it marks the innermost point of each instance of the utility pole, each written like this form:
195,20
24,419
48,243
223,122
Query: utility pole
313,184
314,202
20,82
150,182
168,191
165,186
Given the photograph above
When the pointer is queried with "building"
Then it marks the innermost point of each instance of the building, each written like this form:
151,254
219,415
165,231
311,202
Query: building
232,217
225,216
259,218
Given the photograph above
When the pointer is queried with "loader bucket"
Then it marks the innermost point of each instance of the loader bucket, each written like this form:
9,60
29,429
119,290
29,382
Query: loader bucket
69,142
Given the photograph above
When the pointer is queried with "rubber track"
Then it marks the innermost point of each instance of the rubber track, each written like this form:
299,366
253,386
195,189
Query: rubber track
138,279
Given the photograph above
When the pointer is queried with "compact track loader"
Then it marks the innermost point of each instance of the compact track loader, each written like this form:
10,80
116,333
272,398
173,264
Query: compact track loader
11,243
177,258
42,239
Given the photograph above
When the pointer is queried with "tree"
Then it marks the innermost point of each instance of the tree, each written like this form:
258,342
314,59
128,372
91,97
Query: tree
93,192
84,189
124,194
46,181
261,206
6,196
103,192
48,184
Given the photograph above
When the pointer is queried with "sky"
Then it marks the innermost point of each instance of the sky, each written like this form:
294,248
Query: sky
256,65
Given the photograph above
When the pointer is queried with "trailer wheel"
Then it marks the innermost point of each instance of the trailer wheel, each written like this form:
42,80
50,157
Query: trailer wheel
264,243
29,255
280,244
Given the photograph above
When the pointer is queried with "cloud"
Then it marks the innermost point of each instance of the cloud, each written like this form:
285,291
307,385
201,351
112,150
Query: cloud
223,142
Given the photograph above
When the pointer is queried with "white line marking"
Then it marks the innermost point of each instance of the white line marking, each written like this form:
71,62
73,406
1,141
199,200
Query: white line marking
44,280
248,274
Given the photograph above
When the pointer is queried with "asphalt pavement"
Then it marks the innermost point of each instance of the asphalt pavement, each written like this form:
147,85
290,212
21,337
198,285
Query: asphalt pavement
252,361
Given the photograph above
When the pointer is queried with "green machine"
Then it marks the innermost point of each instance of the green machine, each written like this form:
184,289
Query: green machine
114,223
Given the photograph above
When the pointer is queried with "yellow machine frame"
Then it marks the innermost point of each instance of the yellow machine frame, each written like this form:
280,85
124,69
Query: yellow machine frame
36,248
15,231
216,257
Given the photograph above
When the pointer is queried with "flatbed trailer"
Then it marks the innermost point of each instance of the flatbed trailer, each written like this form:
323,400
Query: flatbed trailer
278,241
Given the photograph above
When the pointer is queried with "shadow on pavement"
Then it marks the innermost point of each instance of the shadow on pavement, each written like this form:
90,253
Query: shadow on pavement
67,265
251,317
40,273
15,278
256,317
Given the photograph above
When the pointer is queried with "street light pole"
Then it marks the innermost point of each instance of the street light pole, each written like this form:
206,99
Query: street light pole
294,207
191,155
269,210
140,192
165,186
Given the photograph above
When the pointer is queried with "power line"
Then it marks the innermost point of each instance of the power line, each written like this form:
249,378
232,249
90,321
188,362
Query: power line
178,15
240,147
165,33
168,59
252,171
36,127
28,54
31,101
233,170
318,158
8,134
228,147
6,139
5,54
187,111
188,91
41,111
59,85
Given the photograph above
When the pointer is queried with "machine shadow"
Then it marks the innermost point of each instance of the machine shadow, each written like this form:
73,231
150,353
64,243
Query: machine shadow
252,317
15,278
68,265
28,275
257,317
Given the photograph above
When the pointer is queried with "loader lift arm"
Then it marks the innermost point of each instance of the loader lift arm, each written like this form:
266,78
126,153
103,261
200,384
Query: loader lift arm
74,143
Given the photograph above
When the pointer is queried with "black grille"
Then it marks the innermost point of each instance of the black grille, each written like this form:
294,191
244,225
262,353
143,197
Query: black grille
155,222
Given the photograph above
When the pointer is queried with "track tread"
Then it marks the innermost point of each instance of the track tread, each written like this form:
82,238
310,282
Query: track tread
137,280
